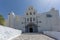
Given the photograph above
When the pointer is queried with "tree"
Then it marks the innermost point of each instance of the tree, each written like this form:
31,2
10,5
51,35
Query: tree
2,21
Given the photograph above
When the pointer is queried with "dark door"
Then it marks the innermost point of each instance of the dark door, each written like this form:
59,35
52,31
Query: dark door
30,29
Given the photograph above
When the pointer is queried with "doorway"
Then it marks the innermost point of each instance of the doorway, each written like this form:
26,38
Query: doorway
31,30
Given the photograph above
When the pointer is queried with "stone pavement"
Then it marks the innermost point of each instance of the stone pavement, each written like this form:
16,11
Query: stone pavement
32,36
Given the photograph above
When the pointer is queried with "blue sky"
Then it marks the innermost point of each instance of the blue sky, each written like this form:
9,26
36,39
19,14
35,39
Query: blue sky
19,6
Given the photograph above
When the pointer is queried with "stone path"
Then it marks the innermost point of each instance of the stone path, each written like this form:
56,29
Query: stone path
32,36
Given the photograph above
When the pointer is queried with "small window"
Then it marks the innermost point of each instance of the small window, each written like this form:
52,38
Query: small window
22,22
30,13
30,19
31,8
48,15
27,19
26,13
34,13
33,19
40,22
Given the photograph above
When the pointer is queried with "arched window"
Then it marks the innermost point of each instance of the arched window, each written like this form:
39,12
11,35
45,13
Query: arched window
33,19
27,19
26,13
34,13
30,13
40,22
30,19
31,8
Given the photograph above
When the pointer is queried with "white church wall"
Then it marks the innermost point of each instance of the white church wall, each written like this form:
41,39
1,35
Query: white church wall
55,19
49,23
22,23
53,22
16,23
41,22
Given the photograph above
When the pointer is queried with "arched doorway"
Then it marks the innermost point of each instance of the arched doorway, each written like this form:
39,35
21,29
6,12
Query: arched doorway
31,27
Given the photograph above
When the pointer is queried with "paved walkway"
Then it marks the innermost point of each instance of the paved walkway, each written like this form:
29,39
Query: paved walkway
32,36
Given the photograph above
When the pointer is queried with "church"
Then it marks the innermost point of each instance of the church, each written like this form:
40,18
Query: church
32,21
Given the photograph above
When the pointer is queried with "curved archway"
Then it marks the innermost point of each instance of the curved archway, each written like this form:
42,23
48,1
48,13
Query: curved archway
31,27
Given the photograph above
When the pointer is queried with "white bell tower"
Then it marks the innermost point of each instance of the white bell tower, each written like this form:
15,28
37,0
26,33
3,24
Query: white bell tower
11,17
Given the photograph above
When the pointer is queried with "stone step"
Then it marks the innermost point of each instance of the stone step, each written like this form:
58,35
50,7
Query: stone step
32,36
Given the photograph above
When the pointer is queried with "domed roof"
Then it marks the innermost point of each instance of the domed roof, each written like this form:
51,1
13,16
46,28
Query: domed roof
11,13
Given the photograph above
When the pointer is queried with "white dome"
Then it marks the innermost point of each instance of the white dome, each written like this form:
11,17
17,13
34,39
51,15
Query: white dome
11,13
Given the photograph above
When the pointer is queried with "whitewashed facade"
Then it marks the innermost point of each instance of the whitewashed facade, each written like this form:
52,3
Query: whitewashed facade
32,21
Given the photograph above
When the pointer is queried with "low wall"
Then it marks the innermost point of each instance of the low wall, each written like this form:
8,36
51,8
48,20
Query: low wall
53,34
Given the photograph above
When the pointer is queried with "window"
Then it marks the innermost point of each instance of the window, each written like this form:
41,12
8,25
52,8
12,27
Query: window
26,13
33,19
40,22
30,8
30,13
27,19
34,13
48,15
30,19
22,22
